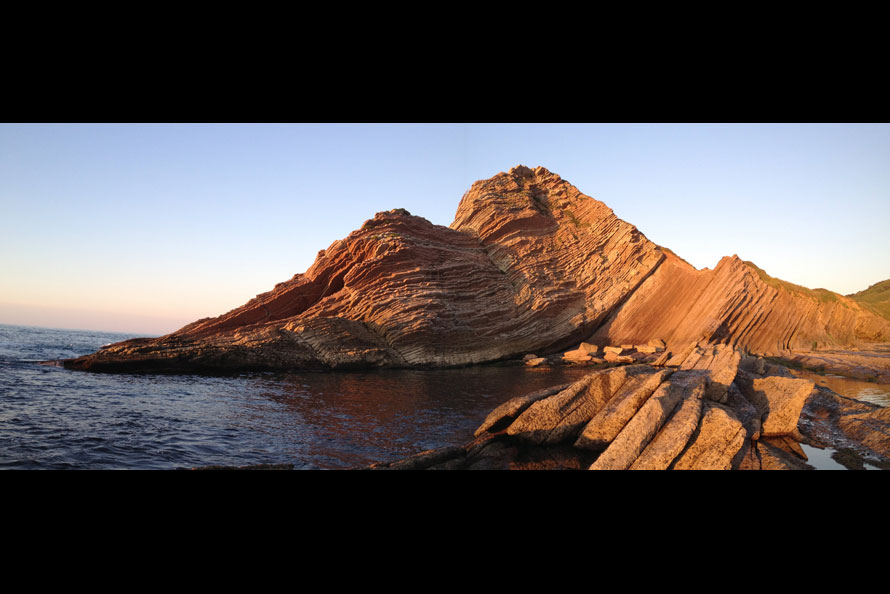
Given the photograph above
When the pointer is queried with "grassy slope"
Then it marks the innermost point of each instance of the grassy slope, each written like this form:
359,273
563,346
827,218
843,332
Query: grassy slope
876,298
821,295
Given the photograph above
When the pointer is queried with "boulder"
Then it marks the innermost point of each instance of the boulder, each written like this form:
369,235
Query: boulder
613,358
592,349
577,355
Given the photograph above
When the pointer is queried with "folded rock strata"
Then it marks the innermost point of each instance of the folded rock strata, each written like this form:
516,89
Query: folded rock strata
530,264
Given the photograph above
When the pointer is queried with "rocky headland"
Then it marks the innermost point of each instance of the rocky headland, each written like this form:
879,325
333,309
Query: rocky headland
689,368
530,265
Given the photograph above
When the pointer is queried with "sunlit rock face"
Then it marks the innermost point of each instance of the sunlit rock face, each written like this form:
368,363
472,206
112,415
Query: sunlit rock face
736,303
529,265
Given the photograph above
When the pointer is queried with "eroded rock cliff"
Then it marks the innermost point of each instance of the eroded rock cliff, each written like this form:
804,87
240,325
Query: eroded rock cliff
530,264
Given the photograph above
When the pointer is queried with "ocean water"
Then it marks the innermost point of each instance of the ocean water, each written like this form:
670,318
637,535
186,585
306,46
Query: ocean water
53,418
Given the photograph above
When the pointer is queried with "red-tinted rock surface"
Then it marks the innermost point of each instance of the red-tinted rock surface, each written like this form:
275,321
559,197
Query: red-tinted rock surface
530,264
735,304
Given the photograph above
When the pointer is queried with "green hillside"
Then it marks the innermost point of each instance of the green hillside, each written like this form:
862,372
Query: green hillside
821,295
876,298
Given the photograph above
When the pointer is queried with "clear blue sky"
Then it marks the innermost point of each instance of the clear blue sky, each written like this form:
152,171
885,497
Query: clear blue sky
144,228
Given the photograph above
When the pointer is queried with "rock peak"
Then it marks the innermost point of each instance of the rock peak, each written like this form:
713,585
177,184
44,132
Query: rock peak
523,171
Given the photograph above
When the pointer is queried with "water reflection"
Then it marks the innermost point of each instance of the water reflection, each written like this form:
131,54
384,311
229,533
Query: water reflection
357,418
824,459
851,388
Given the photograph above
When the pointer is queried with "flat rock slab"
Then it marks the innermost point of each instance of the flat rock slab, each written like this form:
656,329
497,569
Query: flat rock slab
511,409
640,417
611,418
675,433
562,415
720,437
779,399
644,425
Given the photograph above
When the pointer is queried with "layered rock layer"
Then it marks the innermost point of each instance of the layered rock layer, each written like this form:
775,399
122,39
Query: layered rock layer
735,304
530,264
641,417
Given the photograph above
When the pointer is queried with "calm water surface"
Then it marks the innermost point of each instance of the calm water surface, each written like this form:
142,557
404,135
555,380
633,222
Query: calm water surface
851,388
54,418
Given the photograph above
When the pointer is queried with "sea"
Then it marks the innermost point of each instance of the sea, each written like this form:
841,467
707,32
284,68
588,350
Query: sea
54,418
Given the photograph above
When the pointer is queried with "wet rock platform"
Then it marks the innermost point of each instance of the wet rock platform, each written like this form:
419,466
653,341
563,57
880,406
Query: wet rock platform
710,408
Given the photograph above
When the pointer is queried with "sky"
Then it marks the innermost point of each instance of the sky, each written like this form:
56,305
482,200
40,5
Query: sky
143,228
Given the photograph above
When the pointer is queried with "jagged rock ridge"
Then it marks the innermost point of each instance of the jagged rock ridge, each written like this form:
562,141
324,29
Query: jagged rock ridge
529,264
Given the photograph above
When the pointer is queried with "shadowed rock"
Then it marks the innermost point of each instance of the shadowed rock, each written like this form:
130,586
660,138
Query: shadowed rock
773,457
747,412
778,399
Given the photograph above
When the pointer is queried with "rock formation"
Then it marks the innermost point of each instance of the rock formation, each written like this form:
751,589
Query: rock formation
718,410
529,265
